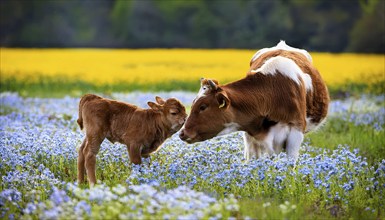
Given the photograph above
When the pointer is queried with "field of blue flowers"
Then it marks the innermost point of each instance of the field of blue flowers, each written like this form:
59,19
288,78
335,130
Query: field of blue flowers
340,172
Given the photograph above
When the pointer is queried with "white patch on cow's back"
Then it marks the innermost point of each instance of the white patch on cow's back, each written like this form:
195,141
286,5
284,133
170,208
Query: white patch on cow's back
282,46
286,67
308,82
260,52
229,128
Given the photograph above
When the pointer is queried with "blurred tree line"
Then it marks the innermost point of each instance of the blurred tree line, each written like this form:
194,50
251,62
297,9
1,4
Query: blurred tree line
317,25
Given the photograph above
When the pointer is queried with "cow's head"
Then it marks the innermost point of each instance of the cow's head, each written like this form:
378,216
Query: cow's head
209,113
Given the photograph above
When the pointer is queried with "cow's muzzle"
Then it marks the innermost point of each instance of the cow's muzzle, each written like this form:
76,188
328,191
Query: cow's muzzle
184,136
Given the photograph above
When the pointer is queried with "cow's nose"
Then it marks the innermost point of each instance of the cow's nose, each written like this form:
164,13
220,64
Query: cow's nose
182,135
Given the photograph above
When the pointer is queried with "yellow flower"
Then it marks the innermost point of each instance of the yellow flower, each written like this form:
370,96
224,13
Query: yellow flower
101,66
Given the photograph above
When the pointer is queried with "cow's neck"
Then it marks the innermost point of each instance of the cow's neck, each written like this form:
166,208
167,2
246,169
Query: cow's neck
245,102
245,98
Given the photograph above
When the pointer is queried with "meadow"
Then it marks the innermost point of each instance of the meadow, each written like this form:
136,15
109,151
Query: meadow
340,172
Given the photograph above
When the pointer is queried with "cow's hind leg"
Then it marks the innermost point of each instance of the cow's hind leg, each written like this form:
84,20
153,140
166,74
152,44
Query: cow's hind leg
81,162
90,151
293,142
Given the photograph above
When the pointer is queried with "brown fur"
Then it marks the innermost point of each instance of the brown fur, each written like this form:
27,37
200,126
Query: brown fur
142,130
317,101
257,102
250,101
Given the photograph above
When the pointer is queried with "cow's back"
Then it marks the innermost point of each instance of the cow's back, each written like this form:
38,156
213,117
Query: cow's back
317,98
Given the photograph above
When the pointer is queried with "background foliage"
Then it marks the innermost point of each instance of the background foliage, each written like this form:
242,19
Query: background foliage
317,25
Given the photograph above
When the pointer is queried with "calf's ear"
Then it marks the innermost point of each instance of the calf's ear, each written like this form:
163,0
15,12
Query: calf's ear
155,106
223,100
159,100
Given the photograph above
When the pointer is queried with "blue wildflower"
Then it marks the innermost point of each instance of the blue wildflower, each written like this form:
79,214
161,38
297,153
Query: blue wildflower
82,207
58,196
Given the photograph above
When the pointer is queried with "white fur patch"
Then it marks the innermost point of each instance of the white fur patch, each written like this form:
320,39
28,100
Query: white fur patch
278,135
294,140
202,91
308,82
286,67
282,46
272,144
229,128
252,148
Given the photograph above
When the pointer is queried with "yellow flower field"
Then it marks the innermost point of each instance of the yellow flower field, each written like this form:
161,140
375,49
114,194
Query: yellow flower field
155,65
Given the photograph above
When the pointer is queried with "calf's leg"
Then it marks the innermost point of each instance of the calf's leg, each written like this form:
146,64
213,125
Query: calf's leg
90,151
81,162
134,152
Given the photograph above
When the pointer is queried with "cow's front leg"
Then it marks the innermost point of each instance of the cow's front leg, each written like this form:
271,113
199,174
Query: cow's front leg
252,148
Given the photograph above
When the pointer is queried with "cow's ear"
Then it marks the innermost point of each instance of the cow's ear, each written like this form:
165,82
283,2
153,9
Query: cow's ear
159,100
223,100
155,106
211,84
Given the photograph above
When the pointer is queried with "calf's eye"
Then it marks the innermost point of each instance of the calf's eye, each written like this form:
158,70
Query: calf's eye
174,112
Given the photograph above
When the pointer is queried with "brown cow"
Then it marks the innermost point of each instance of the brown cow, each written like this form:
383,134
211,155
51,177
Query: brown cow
142,130
282,97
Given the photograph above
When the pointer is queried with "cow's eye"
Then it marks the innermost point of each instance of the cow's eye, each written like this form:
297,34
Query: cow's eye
202,108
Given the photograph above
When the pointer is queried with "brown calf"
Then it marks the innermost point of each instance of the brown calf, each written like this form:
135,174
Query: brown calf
282,97
142,130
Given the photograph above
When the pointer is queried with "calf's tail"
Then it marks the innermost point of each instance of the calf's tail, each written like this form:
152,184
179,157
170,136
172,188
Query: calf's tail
80,119
82,101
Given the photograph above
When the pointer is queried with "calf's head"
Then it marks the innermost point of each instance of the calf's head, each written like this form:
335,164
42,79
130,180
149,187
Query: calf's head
209,113
172,111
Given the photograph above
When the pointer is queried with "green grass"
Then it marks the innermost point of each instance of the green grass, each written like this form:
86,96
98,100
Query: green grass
60,86
336,131
376,87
